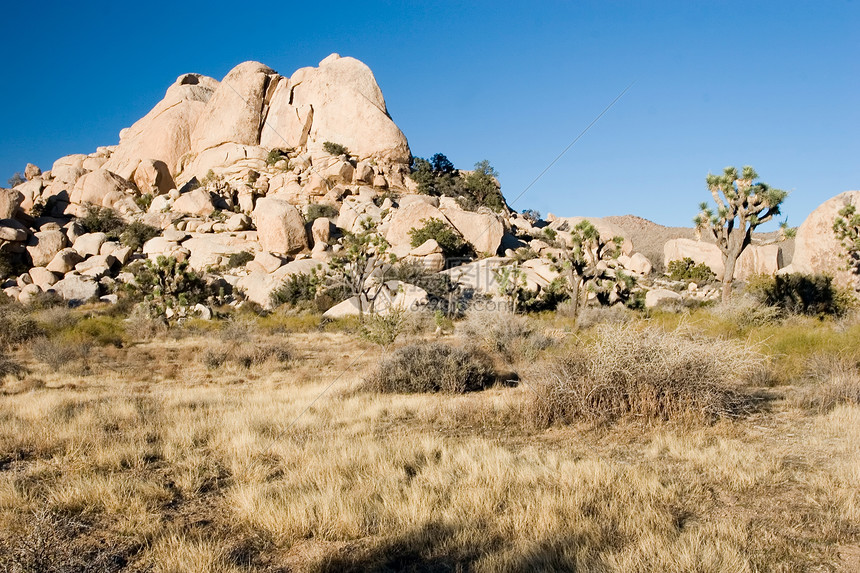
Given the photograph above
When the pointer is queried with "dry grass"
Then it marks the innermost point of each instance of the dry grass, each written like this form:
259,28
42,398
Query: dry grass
156,462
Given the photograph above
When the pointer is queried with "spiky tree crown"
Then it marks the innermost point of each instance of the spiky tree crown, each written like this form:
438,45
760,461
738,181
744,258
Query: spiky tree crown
742,202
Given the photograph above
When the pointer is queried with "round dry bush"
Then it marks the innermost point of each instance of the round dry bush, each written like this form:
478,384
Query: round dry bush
503,332
433,367
647,373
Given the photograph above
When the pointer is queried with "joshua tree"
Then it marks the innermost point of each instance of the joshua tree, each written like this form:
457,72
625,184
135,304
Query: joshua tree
584,263
743,203
847,229
360,267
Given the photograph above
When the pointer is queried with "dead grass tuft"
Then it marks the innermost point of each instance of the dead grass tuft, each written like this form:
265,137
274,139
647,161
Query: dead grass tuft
832,381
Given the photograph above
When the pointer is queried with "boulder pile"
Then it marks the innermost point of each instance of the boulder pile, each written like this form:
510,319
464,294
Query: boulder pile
257,177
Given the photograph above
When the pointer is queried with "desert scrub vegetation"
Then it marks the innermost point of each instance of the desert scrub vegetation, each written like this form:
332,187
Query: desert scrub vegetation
628,370
799,293
154,460
451,243
315,211
513,336
102,220
136,233
433,367
335,148
686,269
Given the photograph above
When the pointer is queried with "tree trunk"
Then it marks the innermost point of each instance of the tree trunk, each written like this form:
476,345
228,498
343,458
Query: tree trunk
737,242
729,275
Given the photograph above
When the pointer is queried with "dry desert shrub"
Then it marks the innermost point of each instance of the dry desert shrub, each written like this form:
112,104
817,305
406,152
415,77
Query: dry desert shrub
247,352
57,353
644,372
833,381
590,316
17,325
746,312
511,335
433,367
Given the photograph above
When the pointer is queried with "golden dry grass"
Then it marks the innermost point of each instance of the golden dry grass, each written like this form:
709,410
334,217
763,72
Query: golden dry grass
149,459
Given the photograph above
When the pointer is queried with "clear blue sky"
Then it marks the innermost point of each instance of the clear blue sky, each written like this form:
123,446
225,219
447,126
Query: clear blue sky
771,84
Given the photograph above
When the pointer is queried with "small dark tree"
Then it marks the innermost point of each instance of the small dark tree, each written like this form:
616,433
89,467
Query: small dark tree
17,179
441,164
743,203
482,186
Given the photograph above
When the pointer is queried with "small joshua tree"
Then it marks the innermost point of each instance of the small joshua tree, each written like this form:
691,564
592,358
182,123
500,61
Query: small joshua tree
743,203
167,283
361,266
847,229
584,263
512,284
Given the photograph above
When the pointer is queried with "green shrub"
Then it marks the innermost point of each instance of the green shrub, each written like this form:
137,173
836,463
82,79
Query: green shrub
686,269
799,293
101,330
308,291
438,177
239,259
102,220
276,155
136,234
144,201
296,289
433,367
317,210
335,148
450,242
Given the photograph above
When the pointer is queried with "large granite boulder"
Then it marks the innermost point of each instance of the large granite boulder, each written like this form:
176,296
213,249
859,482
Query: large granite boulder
816,248
280,226
235,112
347,107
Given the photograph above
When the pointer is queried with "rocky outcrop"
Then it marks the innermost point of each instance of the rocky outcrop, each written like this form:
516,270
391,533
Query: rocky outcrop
483,230
353,115
234,113
817,250
755,259
163,134
391,295
10,200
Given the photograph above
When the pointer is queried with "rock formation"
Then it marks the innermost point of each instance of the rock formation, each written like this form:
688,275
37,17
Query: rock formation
816,247
227,173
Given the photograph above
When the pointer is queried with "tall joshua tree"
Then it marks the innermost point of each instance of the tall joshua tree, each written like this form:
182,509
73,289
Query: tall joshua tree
743,203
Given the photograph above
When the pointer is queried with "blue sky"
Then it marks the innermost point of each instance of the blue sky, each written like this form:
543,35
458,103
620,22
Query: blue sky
771,84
